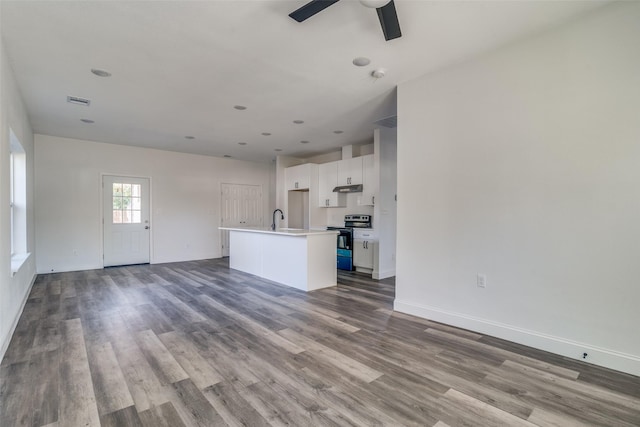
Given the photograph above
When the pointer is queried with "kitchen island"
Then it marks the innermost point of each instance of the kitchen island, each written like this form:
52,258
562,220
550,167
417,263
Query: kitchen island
302,259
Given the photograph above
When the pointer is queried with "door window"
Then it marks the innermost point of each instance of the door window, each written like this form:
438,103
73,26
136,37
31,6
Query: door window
127,203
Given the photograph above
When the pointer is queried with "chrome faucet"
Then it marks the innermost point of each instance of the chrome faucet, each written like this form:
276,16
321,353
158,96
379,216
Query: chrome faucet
273,224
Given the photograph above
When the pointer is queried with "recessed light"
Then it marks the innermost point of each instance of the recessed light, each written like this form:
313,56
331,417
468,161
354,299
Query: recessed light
338,132
242,143
87,121
240,107
100,73
227,156
278,149
361,61
304,142
298,122
189,137
266,133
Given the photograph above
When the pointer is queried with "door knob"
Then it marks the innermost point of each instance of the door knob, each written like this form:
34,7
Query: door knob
146,227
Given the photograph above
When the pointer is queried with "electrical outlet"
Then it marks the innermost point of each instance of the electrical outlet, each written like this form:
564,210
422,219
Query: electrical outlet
481,280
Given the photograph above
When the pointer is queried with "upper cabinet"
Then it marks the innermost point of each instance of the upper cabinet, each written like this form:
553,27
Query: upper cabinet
350,171
327,181
354,171
369,182
298,177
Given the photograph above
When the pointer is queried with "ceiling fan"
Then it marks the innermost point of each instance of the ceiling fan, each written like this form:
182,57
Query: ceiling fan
385,8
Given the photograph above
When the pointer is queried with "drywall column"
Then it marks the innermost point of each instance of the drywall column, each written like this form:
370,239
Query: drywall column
522,166
384,214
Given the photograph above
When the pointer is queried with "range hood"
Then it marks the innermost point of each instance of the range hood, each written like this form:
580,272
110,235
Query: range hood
355,188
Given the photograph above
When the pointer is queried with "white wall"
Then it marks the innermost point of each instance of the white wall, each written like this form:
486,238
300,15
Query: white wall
524,165
14,289
185,199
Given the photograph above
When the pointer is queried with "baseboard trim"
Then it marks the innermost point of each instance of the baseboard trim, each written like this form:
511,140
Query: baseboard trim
607,358
7,339
383,274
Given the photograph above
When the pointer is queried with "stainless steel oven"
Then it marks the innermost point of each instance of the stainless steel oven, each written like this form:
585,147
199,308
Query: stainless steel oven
344,240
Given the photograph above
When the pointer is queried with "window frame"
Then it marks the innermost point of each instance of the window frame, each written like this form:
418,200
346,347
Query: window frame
12,201
18,202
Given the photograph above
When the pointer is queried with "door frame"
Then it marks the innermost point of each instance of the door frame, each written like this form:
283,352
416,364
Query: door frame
101,207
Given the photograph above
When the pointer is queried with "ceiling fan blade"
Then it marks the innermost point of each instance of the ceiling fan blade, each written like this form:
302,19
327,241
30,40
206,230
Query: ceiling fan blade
389,21
310,9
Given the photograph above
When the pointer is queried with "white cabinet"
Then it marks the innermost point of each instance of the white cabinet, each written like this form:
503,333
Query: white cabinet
327,181
369,182
363,253
350,171
364,248
298,177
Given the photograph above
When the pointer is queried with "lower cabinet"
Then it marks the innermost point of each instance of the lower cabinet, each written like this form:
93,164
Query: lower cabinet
363,253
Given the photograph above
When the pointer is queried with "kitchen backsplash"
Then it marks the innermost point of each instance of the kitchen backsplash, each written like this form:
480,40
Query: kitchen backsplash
335,216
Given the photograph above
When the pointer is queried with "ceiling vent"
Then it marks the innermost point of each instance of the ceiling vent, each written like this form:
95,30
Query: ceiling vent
79,101
388,122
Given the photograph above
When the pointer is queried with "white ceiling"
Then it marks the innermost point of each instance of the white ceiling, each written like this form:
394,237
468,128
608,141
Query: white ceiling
179,67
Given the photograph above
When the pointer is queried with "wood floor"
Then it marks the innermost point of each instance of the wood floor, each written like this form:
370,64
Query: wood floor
197,344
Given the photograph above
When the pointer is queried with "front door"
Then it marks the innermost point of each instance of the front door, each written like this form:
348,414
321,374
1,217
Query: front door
126,226
241,206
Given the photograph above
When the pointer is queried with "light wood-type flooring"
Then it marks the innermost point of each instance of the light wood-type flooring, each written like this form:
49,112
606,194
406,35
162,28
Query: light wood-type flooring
198,344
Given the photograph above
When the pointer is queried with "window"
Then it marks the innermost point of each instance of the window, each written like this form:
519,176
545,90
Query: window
12,200
127,203
17,200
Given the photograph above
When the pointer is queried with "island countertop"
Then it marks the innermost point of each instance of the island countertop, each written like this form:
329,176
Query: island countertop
300,258
281,231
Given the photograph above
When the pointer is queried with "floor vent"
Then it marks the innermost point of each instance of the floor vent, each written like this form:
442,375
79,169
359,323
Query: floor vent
78,100
388,122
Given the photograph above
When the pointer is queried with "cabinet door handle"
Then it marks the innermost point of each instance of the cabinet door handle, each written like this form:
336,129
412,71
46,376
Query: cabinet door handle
373,200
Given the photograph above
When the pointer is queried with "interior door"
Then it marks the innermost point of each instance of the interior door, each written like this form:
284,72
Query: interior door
126,227
241,206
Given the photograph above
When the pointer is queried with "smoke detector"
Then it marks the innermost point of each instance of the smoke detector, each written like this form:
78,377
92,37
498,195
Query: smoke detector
379,73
